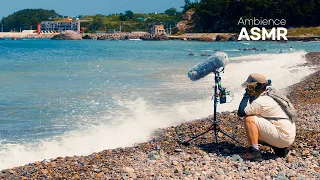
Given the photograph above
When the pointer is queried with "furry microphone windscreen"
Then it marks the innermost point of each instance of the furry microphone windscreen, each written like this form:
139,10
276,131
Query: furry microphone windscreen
213,64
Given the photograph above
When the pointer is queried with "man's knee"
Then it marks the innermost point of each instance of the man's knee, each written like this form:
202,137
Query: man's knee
249,119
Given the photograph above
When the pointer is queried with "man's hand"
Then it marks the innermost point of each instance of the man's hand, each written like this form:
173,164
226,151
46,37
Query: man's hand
241,118
246,95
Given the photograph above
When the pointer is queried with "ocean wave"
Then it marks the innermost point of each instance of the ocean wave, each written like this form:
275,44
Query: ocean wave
135,120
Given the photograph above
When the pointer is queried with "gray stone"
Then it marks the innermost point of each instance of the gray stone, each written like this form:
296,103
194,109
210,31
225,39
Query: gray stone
175,163
176,170
186,172
226,151
243,169
204,162
315,153
294,165
301,178
206,158
178,150
45,162
281,177
67,35
245,175
212,155
236,157
97,170
220,171
153,155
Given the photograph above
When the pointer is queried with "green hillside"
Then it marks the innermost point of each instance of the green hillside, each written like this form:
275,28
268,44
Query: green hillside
27,19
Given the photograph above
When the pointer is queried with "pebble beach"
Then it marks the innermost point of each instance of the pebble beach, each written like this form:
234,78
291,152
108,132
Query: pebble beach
164,156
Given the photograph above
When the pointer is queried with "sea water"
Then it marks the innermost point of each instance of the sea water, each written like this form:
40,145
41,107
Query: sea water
65,98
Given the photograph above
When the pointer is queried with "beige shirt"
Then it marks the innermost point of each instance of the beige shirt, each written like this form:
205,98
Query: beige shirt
266,107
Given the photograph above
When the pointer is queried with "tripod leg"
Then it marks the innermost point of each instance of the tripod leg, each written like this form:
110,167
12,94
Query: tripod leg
229,136
216,138
193,138
216,83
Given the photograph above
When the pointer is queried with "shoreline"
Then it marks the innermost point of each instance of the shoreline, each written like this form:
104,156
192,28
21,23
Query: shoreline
207,37
163,157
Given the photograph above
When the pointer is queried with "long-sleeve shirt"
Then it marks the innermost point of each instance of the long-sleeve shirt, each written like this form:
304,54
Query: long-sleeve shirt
266,107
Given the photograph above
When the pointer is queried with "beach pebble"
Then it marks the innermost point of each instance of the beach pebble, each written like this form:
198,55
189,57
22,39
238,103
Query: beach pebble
220,171
315,153
97,170
100,175
177,170
236,157
45,162
175,163
226,151
128,170
279,160
153,155
290,158
281,177
178,150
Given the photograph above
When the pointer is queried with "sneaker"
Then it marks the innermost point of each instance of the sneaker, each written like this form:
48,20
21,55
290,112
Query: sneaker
252,155
281,152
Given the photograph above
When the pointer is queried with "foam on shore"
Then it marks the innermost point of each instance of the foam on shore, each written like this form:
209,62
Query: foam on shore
140,118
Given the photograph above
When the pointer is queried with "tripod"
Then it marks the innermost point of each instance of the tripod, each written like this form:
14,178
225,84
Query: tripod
215,127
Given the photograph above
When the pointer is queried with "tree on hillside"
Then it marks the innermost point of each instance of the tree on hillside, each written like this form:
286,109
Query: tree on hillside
171,11
211,14
223,15
190,5
97,22
27,18
128,15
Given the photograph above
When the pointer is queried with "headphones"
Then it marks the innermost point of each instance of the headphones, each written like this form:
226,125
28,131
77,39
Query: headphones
254,87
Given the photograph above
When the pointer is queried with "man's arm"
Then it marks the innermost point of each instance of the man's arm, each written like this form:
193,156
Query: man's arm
243,105
246,108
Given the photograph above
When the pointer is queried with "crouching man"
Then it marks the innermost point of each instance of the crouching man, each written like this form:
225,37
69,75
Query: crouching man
268,118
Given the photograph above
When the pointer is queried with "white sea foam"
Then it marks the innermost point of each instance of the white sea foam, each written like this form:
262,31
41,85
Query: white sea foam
207,50
139,118
134,126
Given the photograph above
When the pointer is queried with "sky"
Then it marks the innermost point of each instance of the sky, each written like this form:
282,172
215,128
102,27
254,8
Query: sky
90,7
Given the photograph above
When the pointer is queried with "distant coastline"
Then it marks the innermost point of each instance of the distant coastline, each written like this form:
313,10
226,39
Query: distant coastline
208,37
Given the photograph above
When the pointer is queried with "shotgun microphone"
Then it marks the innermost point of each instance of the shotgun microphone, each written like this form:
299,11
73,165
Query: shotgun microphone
214,63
